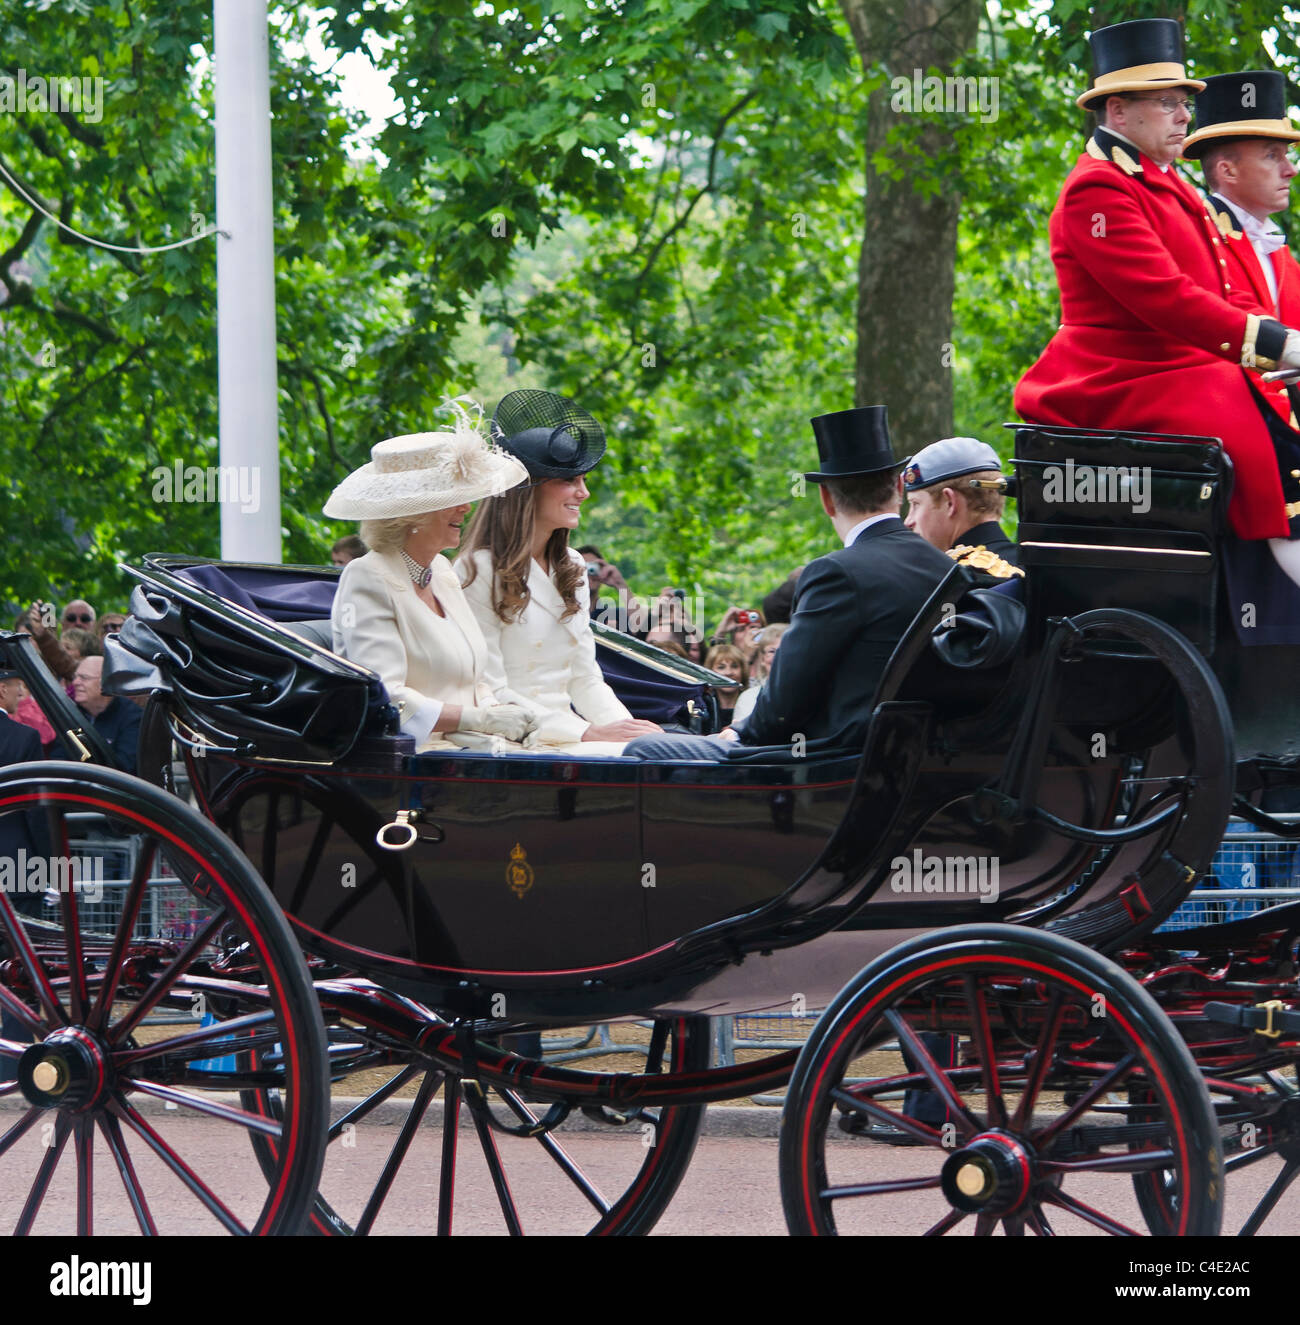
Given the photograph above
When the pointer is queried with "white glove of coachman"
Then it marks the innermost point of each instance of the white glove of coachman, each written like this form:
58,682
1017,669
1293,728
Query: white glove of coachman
1291,351
507,720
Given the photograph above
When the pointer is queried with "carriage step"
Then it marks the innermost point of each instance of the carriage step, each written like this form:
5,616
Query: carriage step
1269,1019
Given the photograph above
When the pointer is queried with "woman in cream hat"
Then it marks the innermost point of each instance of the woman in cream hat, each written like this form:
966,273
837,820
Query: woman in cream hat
528,588
399,609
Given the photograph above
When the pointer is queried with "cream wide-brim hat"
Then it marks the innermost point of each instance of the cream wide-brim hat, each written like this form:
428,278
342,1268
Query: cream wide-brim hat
422,472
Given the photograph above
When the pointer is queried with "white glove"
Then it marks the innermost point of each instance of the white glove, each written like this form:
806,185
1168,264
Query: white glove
508,720
1290,351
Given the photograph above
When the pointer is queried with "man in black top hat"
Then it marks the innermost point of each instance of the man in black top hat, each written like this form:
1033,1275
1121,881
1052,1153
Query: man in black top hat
1244,143
851,607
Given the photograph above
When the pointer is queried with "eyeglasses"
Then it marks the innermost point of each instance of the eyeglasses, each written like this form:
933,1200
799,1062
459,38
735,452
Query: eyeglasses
81,618
1170,104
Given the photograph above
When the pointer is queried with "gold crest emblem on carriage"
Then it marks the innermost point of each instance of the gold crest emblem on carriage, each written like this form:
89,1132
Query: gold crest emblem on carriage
519,873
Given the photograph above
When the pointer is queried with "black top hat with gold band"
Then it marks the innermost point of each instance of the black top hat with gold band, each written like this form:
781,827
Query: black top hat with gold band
1249,105
852,443
1144,55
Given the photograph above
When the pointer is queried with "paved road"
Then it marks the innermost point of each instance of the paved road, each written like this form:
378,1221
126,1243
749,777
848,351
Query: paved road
731,1187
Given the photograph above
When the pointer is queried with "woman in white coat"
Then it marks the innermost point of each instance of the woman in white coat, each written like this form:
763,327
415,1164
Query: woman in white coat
399,609
528,588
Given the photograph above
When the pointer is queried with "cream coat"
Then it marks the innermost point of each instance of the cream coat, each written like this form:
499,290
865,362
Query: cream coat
543,663
424,660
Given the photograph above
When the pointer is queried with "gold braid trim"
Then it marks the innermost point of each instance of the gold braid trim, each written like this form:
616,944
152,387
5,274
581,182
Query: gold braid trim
982,559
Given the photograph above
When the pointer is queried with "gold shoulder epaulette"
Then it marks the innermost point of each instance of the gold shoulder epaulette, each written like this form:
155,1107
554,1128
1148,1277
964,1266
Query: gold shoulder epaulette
982,559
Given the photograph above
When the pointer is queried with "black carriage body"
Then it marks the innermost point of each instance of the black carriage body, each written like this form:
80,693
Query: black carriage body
581,889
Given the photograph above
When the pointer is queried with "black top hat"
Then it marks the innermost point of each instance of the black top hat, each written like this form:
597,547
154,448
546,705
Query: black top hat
853,442
551,435
1249,105
1133,57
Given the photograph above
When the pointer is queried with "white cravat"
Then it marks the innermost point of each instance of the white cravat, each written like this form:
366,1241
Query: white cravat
851,537
1265,238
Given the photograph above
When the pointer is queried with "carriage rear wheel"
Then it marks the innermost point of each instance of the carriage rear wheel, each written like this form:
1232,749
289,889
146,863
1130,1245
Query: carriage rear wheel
391,1136
1018,1128
134,939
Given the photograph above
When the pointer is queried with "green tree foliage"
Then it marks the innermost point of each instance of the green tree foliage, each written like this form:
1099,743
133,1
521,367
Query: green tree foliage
655,206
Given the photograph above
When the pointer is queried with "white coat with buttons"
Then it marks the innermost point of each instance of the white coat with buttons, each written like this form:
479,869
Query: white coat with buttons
543,662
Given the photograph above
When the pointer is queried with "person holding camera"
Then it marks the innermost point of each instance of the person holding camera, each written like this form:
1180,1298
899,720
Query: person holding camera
529,590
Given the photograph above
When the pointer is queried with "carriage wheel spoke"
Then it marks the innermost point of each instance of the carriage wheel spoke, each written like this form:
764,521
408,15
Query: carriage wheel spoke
447,1169
255,1122
1086,1212
165,979
1038,1222
557,1152
1270,1199
1013,1226
882,1115
131,903
32,968
78,994
432,1080
371,1102
1137,1161
946,1224
85,1152
488,1144
1042,1061
985,1226
112,1131
882,1188
203,1039
19,1011
933,1072
982,1037
206,1197
654,1059
20,1128
1086,1100
43,1175
307,874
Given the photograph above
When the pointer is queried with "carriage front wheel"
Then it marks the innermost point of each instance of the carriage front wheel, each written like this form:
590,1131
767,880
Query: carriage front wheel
142,962
988,1077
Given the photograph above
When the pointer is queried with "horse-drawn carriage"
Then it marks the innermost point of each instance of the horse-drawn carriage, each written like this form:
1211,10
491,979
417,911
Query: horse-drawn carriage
1041,785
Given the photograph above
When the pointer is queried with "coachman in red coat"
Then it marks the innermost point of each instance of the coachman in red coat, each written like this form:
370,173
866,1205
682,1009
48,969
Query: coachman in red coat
1242,141
1154,330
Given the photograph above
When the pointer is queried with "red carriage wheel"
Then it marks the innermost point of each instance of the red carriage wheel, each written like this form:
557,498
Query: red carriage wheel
1048,1029
125,1119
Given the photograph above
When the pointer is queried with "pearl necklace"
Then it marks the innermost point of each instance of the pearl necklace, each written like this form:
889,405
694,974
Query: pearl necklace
420,575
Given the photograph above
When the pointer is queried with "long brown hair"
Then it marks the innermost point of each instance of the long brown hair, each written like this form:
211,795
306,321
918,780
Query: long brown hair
503,527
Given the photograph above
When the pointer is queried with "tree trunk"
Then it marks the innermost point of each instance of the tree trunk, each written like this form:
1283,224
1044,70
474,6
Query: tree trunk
906,270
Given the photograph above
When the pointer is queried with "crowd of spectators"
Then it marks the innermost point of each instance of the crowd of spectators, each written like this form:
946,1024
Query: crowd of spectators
71,643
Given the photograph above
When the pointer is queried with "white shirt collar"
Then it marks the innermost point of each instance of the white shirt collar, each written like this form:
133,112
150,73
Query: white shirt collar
851,537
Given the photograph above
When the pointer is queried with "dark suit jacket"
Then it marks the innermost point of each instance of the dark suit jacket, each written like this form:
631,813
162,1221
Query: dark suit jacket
119,727
850,610
991,535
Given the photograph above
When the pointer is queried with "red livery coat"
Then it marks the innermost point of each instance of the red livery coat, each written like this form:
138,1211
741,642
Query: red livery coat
1153,330
1243,260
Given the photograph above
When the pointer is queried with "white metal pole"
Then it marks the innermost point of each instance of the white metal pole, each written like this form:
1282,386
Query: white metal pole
246,386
